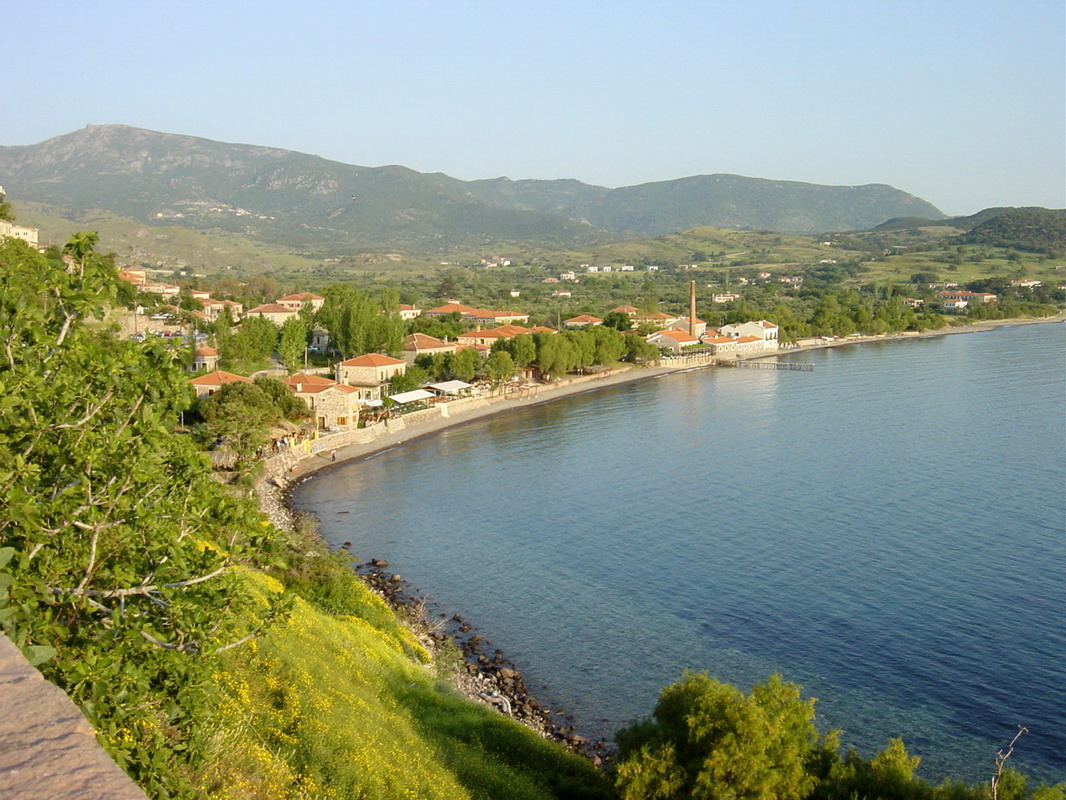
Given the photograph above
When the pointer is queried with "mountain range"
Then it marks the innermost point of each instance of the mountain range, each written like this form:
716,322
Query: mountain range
310,203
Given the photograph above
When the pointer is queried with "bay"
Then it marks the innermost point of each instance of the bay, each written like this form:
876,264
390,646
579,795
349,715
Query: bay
888,530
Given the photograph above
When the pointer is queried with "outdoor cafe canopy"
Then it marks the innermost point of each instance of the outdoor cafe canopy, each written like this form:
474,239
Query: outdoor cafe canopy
450,387
411,397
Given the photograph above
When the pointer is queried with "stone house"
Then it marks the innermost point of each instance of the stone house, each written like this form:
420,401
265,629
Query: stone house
419,344
333,406
369,374
205,359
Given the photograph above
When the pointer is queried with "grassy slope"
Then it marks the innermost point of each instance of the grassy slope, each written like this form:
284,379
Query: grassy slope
339,701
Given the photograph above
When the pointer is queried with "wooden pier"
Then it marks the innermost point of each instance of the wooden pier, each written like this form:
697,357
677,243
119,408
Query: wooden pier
768,365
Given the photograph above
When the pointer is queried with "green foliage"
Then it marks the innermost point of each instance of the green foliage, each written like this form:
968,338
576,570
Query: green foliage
465,365
618,320
250,348
412,378
120,550
522,349
357,323
293,342
1035,230
499,366
709,740
239,415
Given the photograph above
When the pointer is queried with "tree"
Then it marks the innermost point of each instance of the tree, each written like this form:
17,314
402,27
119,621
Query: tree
465,364
250,347
81,246
618,320
522,349
708,740
499,366
118,549
293,342
239,416
412,378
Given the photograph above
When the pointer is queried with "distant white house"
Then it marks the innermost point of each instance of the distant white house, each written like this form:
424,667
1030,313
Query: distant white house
766,332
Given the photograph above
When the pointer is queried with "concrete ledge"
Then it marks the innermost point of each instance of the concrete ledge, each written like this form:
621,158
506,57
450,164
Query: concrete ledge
48,750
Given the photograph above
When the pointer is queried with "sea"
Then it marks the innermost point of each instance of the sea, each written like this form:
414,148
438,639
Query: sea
887,530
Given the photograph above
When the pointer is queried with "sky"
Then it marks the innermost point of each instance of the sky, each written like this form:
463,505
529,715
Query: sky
960,103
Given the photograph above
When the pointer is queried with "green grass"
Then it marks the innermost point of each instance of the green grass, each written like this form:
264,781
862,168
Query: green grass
341,701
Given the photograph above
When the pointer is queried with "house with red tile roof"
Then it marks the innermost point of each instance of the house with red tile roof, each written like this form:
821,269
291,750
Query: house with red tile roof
674,341
762,329
420,344
333,406
205,359
658,319
295,302
409,312
206,385
279,315
724,345
582,321
681,324
482,315
370,374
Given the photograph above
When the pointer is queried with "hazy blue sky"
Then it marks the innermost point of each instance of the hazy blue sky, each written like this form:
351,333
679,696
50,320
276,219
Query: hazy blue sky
960,103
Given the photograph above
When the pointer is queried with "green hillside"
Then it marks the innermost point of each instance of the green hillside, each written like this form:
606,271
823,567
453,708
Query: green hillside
308,203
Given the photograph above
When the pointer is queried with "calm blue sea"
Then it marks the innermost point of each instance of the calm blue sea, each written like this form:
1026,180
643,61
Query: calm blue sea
888,530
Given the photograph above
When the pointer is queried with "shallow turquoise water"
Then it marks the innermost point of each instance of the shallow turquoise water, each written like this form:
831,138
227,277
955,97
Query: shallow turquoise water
888,531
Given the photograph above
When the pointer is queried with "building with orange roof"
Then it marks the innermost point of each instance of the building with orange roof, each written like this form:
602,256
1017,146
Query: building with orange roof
658,319
369,374
632,311
483,315
409,312
295,302
681,324
333,405
279,315
207,385
672,340
205,359
420,344
723,345
582,321
490,335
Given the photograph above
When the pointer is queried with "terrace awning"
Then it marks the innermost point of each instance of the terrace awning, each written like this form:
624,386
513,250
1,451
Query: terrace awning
450,387
411,397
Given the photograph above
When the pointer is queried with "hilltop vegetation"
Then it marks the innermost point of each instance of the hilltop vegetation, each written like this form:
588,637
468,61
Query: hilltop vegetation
308,203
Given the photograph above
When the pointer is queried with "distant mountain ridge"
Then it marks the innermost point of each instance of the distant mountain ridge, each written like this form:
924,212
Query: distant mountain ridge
309,202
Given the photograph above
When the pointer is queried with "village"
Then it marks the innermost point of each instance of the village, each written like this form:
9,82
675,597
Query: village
350,392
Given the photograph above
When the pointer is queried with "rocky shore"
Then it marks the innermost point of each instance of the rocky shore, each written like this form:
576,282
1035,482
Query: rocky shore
484,675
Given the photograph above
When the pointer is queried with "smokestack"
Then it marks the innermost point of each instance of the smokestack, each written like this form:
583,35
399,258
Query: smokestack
692,309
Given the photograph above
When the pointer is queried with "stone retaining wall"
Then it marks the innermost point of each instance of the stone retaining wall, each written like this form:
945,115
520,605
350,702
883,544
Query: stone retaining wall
48,750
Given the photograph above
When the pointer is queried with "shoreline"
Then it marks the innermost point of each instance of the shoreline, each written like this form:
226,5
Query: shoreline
483,676
318,462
